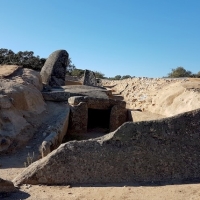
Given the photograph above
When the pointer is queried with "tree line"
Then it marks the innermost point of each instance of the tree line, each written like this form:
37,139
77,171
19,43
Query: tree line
181,72
27,59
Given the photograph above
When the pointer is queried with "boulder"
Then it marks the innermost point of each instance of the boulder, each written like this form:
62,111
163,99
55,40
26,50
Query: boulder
54,70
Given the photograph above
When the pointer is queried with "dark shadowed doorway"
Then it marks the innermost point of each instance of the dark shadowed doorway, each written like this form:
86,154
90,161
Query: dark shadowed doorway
98,118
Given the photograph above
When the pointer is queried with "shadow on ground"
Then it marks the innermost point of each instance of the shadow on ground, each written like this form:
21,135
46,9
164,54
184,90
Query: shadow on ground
14,195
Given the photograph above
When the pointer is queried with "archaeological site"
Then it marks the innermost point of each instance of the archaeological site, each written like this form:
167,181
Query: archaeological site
57,129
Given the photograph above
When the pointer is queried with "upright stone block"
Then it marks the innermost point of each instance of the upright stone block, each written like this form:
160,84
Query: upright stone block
54,70
89,78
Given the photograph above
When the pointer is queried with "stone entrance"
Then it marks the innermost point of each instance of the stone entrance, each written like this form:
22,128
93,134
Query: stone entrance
98,118
88,113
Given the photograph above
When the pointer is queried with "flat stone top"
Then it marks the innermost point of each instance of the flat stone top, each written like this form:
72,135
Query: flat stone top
83,90
7,70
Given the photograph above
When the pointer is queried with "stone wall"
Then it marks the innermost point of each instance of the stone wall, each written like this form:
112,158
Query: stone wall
163,150
79,112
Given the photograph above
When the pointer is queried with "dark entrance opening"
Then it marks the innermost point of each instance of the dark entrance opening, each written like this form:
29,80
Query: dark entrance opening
98,118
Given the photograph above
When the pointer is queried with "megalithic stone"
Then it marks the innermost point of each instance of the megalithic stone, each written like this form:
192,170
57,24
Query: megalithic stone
89,78
54,70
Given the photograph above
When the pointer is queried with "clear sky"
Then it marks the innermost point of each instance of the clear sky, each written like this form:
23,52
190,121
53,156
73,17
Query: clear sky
116,37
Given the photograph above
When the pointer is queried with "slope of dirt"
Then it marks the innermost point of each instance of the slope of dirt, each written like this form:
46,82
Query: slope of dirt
164,97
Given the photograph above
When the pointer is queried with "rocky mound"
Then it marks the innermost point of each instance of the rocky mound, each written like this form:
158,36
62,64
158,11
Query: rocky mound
20,96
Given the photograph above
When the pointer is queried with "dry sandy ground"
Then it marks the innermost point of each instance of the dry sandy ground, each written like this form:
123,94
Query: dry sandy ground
107,192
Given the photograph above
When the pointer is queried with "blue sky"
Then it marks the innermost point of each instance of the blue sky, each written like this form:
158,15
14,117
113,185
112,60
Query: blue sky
116,37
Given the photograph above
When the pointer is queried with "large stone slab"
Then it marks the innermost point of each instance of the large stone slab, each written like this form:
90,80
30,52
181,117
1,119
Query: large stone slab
163,150
56,132
56,95
84,90
65,92
54,70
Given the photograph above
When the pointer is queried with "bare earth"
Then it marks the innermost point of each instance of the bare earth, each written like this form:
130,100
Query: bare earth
12,165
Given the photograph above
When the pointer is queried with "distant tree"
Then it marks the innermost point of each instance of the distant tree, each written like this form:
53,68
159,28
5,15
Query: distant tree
70,66
198,74
125,77
77,72
117,77
99,74
25,59
179,72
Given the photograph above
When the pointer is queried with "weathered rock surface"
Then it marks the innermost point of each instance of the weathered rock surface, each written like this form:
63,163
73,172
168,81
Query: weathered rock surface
78,118
7,70
163,150
56,95
84,90
89,78
20,96
65,92
6,186
54,70
56,132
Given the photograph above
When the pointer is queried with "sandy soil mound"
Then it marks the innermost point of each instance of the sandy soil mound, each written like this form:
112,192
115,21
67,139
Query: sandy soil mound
163,97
